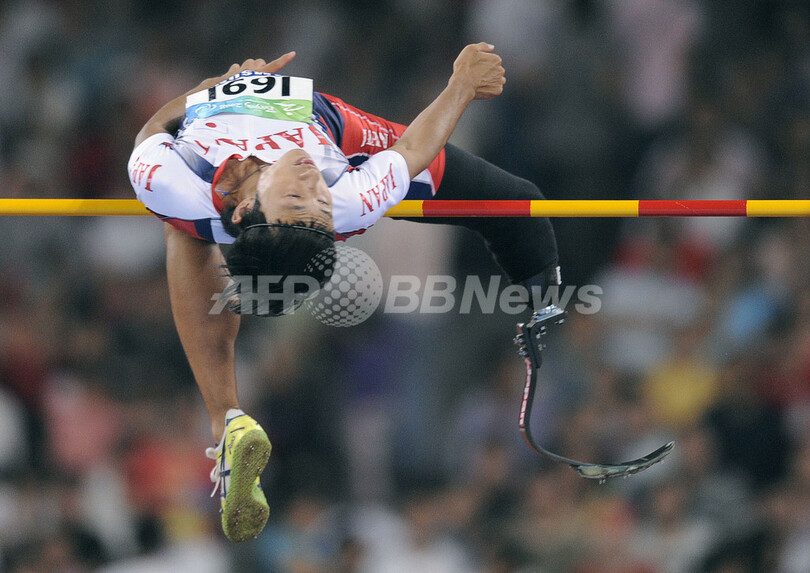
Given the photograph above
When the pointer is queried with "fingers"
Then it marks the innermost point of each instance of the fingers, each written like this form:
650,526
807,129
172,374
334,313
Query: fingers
484,68
278,63
479,47
482,51
261,65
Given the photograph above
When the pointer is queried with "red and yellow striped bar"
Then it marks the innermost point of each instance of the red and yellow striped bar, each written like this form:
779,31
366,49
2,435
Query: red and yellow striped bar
435,208
604,208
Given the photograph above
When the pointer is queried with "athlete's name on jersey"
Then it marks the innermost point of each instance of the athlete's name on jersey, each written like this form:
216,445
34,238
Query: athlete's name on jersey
271,141
374,138
378,194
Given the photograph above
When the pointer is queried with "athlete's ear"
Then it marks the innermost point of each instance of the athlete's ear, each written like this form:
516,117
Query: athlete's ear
243,207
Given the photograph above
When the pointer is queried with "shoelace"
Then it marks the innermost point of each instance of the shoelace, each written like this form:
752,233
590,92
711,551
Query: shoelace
213,454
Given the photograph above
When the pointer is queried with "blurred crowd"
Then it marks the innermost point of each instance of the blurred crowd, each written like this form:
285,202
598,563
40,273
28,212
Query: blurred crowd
396,446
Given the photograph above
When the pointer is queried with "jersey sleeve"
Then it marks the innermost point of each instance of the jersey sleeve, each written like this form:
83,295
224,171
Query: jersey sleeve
362,195
361,135
364,133
170,189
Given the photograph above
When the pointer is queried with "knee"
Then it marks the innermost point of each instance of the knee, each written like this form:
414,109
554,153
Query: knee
526,190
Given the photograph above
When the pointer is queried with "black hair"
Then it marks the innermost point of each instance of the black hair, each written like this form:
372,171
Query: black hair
282,250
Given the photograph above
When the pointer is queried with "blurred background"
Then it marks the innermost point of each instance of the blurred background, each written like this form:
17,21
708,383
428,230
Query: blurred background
396,446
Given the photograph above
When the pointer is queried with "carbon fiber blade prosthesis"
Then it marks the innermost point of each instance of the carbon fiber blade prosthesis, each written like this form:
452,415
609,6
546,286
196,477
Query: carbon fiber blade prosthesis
530,347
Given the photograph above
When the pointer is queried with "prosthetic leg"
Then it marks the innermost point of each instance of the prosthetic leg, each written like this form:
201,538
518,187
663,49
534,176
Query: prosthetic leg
530,347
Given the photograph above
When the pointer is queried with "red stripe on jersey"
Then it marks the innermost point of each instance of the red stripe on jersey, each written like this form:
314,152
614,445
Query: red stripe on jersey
187,227
215,198
345,236
436,169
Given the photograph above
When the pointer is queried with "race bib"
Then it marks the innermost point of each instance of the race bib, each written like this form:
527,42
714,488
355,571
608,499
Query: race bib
255,93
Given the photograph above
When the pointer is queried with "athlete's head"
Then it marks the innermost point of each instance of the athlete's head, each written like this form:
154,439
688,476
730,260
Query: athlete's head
291,189
281,228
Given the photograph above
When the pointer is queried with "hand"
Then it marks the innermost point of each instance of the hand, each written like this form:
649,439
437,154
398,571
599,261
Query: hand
479,69
258,65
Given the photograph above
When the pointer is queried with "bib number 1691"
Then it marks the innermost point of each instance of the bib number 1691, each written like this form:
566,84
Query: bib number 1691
256,85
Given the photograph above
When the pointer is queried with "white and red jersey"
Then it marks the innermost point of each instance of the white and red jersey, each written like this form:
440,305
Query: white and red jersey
265,115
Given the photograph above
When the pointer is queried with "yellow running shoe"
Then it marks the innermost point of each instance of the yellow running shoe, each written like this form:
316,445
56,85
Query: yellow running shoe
241,456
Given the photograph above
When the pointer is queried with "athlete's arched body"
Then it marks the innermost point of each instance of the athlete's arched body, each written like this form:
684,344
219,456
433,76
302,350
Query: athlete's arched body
250,146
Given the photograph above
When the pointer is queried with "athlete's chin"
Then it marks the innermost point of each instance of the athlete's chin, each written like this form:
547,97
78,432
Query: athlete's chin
295,154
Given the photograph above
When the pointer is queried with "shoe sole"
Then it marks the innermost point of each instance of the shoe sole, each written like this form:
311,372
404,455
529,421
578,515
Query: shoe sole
246,510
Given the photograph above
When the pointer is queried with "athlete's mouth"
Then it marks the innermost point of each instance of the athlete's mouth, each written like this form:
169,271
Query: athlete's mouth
305,161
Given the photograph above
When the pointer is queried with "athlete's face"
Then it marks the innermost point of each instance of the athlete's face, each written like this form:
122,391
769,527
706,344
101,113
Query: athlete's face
292,190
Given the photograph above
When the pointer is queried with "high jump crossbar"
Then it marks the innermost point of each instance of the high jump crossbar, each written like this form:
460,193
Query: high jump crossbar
436,208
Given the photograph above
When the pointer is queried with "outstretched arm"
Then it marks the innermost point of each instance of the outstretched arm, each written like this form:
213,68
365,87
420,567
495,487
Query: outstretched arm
477,74
167,119
194,270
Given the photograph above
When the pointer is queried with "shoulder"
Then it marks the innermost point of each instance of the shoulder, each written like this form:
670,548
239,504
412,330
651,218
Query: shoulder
361,196
164,182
